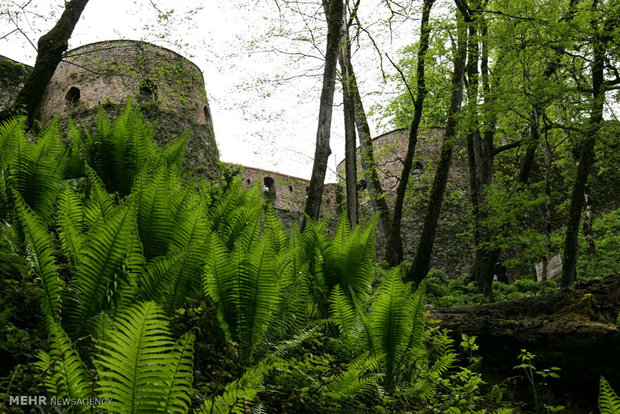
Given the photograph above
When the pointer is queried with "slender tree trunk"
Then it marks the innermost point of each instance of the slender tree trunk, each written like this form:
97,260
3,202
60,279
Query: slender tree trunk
586,159
421,263
394,251
373,185
51,47
548,229
588,219
322,151
350,153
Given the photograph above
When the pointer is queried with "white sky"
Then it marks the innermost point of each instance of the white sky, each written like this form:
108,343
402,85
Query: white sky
260,120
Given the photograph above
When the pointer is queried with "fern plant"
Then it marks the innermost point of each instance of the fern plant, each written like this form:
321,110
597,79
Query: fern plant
33,169
244,287
345,260
62,369
608,400
108,247
141,368
42,258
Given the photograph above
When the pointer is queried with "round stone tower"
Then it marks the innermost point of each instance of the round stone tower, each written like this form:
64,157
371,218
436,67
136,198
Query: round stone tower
168,88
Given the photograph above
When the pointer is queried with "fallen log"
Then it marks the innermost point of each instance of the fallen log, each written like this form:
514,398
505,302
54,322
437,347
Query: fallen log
575,329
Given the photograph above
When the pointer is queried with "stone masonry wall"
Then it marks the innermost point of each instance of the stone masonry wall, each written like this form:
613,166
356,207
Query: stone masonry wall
12,77
453,242
168,88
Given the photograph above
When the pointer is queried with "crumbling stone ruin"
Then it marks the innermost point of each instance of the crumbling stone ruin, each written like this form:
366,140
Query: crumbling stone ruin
170,91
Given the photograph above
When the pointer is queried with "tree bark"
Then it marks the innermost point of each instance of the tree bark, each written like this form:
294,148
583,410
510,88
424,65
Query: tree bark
586,159
350,149
51,47
588,222
322,149
373,185
394,251
421,262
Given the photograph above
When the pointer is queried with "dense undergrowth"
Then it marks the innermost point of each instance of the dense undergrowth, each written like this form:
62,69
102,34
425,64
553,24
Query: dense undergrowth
125,278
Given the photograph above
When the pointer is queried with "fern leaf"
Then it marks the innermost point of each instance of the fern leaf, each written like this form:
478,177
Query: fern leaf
238,394
70,223
343,314
178,397
390,316
43,259
154,218
64,373
135,363
104,250
608,400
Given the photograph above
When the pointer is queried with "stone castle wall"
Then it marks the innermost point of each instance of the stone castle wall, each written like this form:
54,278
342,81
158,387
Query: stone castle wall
453,242
12,77
168,88
288,193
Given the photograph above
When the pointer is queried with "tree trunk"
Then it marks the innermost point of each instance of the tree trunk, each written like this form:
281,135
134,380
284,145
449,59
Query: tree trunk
373,185
586,158
51,47
394,251
350,153
588,219
322,150
421,262
548,229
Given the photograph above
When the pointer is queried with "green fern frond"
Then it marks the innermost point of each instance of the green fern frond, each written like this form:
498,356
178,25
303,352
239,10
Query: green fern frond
64,373
100,257
173,153
239,394
258,295
154,215
343,314
390,319
44,263
139,365
36,169
178,397
220,284
12,132
608,401
70,222
75,159
358,379
121,148
101,205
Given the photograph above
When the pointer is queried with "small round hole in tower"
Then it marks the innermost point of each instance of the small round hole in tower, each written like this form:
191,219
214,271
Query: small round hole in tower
148,90
72,98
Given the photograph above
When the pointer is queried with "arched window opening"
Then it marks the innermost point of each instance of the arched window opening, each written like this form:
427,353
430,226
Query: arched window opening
247,181
290,188
269,189
72,98
361,185
417,169
148,90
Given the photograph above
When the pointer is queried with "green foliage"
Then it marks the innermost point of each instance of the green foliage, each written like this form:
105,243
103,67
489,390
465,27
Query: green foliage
42,259
606,261
309,320
64,373
608,401
532,373
141,367
120,149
